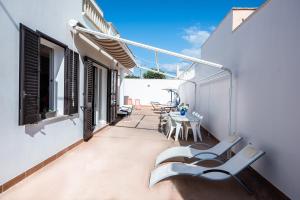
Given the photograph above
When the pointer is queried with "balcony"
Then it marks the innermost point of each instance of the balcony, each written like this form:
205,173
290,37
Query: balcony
95,15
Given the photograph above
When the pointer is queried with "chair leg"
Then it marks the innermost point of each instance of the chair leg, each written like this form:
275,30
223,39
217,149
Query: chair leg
182,133
242,183
170,132
167,129
199,132
186,133
178,128
193,125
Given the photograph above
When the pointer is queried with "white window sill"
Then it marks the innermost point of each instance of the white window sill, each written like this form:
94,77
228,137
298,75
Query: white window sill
55,119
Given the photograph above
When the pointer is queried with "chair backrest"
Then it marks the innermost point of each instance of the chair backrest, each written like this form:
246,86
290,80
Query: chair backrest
242,159
137,104
130,101
201,119
225,144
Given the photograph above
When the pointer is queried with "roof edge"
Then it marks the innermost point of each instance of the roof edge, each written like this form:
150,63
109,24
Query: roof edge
237,8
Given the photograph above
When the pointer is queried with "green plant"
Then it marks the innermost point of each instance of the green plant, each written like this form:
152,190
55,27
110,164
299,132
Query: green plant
131,76
153,75
184,107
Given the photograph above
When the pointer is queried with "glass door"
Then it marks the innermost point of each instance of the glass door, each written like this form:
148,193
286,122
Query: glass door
112,95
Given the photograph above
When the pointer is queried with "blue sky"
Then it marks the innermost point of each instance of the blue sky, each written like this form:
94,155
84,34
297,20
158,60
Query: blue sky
178,25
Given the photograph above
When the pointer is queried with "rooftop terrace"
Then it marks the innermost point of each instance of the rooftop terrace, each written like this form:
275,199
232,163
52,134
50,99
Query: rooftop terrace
116,164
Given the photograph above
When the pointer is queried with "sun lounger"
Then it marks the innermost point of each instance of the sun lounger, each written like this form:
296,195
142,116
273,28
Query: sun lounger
190,152
162,107
126,109
229,169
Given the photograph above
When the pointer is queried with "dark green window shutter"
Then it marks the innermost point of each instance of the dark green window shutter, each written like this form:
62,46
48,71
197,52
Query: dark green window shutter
71,82
89,95
29,82
112,81
109,85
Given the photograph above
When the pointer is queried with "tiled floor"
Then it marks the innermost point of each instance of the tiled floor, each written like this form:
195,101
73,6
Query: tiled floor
115,165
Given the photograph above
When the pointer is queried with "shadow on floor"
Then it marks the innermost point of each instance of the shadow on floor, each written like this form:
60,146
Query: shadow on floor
229,189
193,188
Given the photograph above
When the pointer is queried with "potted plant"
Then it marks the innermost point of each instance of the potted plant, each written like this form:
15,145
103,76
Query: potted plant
51,113
183,109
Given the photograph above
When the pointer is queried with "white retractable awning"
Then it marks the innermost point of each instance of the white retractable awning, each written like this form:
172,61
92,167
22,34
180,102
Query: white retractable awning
118,50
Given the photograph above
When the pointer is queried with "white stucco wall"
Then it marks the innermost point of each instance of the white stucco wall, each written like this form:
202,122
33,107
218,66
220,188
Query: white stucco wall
148,90
22,147
263,54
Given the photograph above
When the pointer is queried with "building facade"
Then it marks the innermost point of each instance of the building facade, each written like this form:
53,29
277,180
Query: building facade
58,86
261,47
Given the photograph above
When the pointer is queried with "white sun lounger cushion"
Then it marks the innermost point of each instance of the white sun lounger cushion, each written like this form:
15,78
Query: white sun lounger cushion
233,166
189,152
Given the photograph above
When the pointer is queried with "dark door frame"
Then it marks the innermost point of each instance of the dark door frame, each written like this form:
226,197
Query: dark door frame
89,104
112,104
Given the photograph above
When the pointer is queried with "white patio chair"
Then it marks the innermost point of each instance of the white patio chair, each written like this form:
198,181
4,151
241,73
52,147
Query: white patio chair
179,131
190,152
194,126
164,116
199,125
230,169
171,126
174,126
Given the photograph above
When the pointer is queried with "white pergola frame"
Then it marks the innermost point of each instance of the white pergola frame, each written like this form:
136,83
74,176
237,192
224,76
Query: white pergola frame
74,25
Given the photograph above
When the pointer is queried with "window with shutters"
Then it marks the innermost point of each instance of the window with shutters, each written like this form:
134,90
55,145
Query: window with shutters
48,77
71,74
51,79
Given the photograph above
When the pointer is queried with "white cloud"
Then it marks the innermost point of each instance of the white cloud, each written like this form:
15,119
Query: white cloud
196,37
193,35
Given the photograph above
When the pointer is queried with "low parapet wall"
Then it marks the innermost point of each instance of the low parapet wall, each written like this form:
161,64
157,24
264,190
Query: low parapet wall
147,90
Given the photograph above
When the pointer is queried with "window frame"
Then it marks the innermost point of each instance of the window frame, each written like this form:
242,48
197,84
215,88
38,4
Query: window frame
52,100
23,116
52,83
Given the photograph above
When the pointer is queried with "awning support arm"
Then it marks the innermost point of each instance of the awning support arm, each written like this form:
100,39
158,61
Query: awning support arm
156,61
185,57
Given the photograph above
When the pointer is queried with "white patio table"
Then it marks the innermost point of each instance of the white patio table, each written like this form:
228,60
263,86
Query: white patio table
176,116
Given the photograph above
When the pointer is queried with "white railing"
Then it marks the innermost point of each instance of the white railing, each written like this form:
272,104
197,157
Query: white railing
112,30
92,11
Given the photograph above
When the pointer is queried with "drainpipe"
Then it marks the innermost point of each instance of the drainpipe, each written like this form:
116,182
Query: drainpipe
230,100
